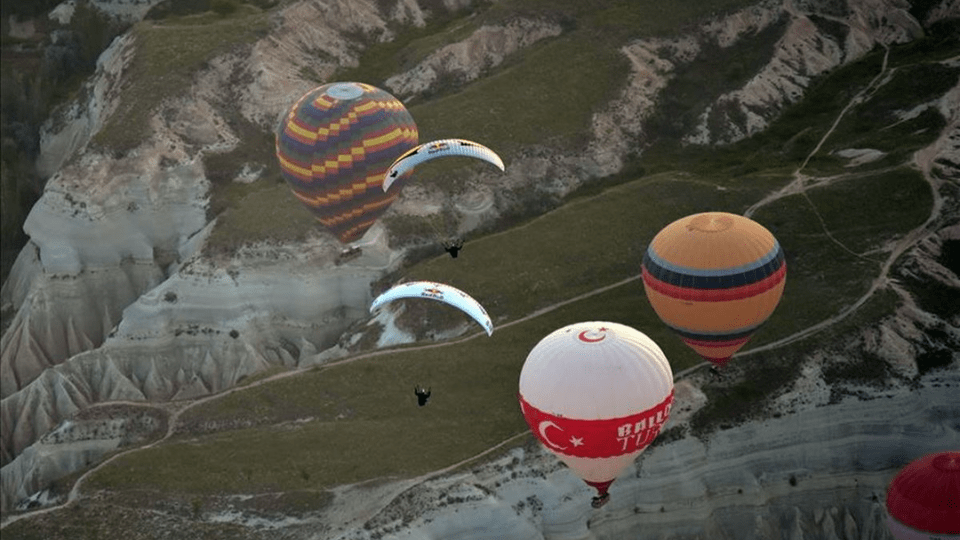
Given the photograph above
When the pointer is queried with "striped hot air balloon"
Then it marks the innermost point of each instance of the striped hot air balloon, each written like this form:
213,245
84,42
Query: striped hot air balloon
714,278
596,394
334,147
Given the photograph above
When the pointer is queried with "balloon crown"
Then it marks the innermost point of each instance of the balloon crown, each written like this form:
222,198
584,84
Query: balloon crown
593,335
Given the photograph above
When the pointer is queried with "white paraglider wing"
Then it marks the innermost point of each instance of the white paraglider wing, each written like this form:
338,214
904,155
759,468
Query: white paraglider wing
435,149
441,293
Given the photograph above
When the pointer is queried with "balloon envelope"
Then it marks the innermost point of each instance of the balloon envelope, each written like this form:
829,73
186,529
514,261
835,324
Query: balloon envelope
436,149
714,278
923,500
596,394
335,145
439,292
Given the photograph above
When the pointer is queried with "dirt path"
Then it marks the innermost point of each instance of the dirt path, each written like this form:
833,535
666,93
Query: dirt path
172,421
922,160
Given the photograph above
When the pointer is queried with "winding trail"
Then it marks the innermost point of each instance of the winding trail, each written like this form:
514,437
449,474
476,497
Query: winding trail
801,182
922,160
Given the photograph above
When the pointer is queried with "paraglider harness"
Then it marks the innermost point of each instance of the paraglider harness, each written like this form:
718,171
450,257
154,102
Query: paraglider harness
423,395
453,246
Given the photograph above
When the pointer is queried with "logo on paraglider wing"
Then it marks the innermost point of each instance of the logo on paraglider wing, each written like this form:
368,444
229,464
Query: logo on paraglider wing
433,293
437,147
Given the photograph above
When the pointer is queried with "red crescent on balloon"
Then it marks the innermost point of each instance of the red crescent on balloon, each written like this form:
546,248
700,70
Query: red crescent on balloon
583,337
543,433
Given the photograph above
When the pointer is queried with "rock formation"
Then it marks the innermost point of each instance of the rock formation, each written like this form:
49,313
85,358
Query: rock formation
819,473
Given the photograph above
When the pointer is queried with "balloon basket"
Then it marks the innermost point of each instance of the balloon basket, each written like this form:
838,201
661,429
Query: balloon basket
348,255
598,502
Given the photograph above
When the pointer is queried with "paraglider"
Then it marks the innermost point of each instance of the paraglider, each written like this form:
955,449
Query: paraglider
423,395
596,394
441,293
453,247
923,499
714,278
440,148
334,147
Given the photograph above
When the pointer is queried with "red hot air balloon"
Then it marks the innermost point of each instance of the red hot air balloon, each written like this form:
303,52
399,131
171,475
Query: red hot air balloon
596,394
923,500
714,278
334,147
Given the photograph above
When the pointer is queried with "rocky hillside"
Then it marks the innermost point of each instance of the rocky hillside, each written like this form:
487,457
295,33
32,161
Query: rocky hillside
164,262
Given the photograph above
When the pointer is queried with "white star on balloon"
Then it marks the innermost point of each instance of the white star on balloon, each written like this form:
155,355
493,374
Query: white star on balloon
576,441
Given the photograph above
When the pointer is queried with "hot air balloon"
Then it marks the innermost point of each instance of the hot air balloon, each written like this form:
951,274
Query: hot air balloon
334,147
923,500
596,394
441,293
437,149
714,278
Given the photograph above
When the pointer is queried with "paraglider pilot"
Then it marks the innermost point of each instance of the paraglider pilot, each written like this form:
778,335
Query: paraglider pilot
453,247
423,395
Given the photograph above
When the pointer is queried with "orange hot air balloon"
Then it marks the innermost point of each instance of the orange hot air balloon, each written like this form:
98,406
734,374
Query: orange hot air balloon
334,147
596,394
714,278
923,500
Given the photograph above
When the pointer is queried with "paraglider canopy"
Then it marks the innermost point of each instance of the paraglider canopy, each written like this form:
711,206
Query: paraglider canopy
437,149
714,278
596,394
439,292
923,500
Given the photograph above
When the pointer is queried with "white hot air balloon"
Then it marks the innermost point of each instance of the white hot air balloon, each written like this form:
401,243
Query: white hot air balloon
596,394
441,293
436,149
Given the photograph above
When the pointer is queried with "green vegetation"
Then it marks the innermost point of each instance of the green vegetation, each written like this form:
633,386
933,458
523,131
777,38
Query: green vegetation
365,404
543,95
865,212
547,97
771,372
302,433
168,54
313,421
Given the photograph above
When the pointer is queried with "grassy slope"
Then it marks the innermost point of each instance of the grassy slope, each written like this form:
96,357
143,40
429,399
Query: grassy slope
167,56
544,95
590,242
593,241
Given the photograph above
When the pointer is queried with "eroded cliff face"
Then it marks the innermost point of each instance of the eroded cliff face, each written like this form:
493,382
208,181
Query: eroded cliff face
467,60
816,38
817,474
112,297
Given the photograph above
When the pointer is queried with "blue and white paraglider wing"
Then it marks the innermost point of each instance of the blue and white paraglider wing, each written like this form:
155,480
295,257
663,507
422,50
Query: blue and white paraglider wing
441,293
436,149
